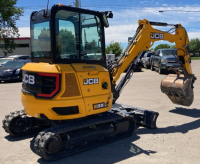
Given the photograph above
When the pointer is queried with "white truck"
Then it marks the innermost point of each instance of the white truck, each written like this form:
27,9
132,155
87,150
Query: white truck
110,58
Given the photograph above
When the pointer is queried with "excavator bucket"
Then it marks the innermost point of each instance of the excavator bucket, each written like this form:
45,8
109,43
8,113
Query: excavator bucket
179,88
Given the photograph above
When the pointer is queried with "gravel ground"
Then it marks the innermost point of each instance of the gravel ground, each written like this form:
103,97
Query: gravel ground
175,141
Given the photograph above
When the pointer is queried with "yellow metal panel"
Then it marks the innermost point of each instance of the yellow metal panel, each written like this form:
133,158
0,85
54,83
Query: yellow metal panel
71,86
38,106
94,89
88,94
67,69
90,102
47,68
86,72
88,67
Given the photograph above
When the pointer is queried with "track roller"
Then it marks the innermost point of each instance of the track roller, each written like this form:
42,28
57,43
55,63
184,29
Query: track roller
68,139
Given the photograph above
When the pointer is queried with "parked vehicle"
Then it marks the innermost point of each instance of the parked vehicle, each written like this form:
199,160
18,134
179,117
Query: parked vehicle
146,60
163,60
21,57
12,70
138,66
2,56
5,60
141,56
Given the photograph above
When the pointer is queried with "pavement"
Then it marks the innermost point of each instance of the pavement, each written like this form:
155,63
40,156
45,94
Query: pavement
175,141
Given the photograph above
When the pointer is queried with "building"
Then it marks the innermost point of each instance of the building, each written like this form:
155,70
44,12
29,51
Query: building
23,47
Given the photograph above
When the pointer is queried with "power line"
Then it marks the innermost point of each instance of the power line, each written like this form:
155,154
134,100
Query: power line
177,10
135,7
128,5
138,6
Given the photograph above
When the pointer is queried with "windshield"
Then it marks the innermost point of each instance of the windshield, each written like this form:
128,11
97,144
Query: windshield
149,54
13,64
2,61
78,36
40,40
168,52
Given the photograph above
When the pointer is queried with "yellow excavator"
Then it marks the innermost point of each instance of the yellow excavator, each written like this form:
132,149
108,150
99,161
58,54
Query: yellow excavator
70,93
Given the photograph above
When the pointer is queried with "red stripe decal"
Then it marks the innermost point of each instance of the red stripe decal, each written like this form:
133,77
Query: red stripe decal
57,84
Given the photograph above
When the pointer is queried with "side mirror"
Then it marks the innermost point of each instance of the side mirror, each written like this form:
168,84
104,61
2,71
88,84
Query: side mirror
105,20
105,15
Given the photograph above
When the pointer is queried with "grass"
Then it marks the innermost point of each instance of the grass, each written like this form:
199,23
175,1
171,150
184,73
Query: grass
195,58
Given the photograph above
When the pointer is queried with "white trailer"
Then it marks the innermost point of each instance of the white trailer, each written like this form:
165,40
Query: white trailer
110,57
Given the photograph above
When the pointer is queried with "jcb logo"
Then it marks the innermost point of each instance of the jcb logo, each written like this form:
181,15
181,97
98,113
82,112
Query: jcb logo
30,79
90,81
157,35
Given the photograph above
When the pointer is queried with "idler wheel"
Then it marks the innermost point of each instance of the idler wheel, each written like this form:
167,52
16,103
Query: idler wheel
53,145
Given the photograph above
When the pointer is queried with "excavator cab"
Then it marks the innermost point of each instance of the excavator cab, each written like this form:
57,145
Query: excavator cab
65,35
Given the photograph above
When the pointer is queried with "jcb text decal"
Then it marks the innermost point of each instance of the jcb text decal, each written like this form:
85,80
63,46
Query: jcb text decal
100,105
157,35
90,81
30,79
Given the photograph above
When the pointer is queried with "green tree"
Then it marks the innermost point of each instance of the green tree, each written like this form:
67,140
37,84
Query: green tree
161,46
173,46
95,47
116,47
67,42
9,14
194,45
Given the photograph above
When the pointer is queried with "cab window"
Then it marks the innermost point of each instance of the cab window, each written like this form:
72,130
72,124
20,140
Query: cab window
78,36
91,37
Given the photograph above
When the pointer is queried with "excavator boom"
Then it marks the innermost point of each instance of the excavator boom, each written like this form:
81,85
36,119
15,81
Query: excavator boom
179,88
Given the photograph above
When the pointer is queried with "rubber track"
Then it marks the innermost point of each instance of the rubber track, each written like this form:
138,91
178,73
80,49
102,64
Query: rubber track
42,138
6,123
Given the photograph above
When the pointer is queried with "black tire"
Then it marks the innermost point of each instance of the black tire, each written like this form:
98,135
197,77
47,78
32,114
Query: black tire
160,71
152,68
166,72
145,66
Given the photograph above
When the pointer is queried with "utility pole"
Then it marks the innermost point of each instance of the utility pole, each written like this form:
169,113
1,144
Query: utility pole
77,4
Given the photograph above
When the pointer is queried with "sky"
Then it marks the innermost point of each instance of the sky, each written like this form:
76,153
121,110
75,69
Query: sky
126,14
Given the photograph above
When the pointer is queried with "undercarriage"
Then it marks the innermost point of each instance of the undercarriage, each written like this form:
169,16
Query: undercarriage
59,139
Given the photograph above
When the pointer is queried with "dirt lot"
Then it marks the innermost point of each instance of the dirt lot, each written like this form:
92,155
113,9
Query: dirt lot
175,141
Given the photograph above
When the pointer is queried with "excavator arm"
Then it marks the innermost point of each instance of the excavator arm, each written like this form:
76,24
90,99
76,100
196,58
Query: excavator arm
179,88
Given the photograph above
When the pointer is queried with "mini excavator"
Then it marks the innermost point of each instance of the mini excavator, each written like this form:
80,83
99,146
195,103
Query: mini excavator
69,93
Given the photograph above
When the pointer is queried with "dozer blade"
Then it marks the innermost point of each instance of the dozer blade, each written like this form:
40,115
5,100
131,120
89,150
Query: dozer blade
179,88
